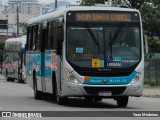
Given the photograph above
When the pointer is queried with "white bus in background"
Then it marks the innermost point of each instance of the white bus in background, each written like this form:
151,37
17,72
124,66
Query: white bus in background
13,59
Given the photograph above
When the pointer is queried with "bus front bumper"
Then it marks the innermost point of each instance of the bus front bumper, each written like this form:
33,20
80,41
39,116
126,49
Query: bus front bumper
75,90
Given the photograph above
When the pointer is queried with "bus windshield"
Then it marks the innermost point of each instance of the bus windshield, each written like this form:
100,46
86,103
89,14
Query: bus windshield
103,46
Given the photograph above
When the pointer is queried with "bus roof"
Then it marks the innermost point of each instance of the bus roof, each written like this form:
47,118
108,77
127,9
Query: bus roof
61,12
20,39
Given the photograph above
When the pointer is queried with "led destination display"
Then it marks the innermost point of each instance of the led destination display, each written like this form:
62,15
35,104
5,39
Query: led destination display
93,17
102,16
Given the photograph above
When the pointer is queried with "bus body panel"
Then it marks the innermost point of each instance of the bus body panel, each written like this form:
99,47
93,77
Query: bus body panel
33,62
53,63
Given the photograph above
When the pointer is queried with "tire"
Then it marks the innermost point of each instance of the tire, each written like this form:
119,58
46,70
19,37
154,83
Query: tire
62,100
20,79
37,94
12,79
122,101
7,78
97,99
88,98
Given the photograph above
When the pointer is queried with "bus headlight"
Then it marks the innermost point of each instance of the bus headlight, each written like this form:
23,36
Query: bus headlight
137,77
71,77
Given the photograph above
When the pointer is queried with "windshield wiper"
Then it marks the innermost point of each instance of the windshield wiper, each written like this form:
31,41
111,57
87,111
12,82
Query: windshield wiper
113,39
93,37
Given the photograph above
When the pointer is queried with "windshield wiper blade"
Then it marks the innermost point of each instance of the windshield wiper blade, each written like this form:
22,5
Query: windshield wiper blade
92,35
113,39
115,36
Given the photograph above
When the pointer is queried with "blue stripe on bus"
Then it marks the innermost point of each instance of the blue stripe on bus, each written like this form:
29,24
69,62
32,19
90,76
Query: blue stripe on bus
41,62
110,80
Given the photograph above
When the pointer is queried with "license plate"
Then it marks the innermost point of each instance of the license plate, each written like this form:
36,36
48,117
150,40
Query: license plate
105,93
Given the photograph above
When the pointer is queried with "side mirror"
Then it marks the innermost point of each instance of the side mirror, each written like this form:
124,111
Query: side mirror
145,44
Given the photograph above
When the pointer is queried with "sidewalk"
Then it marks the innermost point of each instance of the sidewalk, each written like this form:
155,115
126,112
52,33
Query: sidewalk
151,91
147,90
2,77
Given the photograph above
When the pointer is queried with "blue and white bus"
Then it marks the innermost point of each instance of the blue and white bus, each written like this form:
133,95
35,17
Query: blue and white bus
90,52
13,59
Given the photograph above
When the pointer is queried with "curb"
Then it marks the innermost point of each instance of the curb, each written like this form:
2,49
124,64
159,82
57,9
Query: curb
153,96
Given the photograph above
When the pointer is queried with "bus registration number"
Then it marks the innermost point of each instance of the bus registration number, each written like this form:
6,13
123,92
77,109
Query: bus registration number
104,93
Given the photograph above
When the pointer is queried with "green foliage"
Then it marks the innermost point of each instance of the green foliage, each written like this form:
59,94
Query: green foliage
137,3
151,24
154,46
158,42
1,51
91,2
151,19
134,3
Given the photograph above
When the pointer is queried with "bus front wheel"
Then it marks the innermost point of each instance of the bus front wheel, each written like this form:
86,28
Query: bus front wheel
122,101
62,100
7,78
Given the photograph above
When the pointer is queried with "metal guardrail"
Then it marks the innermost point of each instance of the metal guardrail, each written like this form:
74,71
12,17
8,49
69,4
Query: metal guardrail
152,72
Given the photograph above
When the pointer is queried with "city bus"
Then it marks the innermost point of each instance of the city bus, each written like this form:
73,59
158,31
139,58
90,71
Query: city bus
13,59
88,52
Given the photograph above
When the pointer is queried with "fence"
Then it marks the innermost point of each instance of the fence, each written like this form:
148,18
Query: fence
152,72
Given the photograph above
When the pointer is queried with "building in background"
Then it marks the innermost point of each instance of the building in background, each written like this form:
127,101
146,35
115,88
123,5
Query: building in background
25,6
26,9
51,6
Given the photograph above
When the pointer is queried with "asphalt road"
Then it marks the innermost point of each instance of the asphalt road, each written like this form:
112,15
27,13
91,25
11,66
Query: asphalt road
19,97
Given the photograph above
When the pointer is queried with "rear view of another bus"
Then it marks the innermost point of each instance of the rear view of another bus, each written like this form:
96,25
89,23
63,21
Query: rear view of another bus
13,59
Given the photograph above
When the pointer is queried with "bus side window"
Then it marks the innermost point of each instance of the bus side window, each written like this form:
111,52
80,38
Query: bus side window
29,41
49,29
53,35
38,37
34,38
46,36
43,37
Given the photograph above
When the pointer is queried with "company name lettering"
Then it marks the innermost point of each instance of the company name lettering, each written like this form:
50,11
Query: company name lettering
114,64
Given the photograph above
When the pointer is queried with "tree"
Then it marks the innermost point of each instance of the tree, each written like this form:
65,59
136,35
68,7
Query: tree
133,3
151,19
91,2
136,3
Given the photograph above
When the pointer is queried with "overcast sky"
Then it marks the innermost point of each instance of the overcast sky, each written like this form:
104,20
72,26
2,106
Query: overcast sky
44,1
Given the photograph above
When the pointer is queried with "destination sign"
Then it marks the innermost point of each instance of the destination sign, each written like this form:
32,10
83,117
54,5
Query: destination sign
102,17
